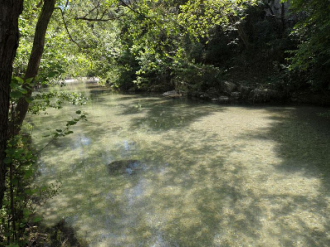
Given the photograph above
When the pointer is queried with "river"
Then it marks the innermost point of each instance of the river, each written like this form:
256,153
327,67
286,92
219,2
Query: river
203,174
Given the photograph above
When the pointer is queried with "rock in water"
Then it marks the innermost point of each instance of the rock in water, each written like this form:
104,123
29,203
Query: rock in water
124,167
172,94
228,87
224,99
264,95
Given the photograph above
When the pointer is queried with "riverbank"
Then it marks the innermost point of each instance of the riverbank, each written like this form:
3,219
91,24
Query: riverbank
232,93
228,93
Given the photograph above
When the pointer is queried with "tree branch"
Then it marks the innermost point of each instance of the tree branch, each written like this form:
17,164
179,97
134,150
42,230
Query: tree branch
39,4
98,4
95,19
67,29
126,5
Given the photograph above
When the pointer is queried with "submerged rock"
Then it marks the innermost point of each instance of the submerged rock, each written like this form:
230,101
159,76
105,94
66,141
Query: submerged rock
236,95
212,93
172,94
125,167
224,99
245,92
264,95
228,87
159,88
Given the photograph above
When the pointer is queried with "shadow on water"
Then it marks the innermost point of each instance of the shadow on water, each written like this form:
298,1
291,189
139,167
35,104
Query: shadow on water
89,192
302,137
173,203
140,210
213,176
162,114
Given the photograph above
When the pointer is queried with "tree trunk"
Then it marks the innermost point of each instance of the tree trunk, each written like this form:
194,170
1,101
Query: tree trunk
9,36
34,61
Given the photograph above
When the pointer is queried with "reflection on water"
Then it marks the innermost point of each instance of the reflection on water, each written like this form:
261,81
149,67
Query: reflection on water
212,175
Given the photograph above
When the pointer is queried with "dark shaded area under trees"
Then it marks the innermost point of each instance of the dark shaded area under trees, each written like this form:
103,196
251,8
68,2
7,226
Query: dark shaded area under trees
254,50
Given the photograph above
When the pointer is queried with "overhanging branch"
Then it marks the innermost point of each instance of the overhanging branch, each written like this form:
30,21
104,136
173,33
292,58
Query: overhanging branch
67,29
95,19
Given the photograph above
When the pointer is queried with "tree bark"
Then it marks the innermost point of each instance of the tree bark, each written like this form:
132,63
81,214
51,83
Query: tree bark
35,58
9,37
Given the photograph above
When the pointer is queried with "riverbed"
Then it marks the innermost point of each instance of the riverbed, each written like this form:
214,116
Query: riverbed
209,174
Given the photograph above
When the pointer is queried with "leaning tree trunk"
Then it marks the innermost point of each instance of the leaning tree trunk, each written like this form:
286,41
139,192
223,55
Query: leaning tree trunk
9,13
34,61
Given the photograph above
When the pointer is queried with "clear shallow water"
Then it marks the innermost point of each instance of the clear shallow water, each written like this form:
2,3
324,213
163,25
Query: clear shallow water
211,175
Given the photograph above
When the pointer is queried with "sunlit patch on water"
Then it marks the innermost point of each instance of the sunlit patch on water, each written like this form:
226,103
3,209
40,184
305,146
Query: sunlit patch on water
42,169
129,145
135,194
201,174
85,141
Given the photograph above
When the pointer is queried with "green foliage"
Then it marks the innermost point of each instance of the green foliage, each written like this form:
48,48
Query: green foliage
198,16
17,209
60,58
55,99
64,132
17,89
192,77
194,33
197,42
313,30
18,212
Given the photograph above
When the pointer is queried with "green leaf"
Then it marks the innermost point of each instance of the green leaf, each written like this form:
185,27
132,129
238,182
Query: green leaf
37,219
13,245
19,79
26,212
28,174
15,95
71,123
29,192
7,160
28,81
